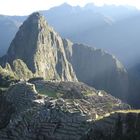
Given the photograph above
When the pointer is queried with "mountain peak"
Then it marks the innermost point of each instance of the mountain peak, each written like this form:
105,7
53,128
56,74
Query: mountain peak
35,19
41,49
35,14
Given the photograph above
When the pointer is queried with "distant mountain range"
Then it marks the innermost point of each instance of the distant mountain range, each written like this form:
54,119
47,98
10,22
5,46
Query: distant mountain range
112,28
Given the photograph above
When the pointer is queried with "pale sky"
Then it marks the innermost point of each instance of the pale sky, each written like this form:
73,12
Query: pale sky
25,7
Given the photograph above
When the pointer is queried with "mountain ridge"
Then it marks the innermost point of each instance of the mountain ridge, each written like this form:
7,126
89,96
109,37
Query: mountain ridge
41,49
97,68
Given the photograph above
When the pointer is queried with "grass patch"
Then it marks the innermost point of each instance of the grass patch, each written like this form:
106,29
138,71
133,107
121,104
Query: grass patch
45,91
129,111
3,89
119,111
88,93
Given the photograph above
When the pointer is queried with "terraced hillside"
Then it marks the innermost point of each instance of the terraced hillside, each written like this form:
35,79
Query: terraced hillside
69,115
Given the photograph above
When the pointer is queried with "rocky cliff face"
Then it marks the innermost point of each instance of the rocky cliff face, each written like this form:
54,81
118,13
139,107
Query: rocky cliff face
39,51
97,68
52,110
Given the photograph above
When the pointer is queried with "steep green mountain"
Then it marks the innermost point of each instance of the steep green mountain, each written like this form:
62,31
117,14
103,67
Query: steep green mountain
38,51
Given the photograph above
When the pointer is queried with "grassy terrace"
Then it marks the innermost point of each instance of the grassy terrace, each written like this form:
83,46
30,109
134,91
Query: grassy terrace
3,88
129,111
119,111
45,91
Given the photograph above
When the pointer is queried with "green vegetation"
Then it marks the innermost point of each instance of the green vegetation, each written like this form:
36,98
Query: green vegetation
45,91
21,69
88,93
6,77
3,89
119,111
6,80
35,79
129,111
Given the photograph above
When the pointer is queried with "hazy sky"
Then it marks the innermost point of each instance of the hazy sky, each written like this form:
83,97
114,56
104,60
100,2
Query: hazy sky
24,7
